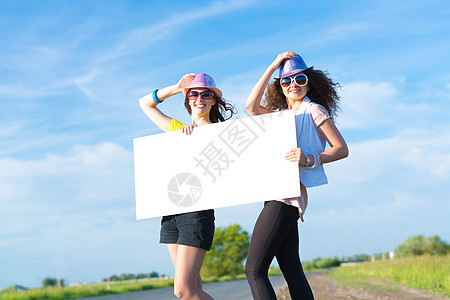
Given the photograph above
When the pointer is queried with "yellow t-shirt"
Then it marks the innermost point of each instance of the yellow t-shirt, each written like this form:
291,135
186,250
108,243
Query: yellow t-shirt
175,125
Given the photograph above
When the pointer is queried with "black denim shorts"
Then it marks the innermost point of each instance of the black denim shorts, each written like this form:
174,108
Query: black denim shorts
195,229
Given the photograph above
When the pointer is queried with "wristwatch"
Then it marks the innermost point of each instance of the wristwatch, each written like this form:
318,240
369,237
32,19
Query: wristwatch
308,160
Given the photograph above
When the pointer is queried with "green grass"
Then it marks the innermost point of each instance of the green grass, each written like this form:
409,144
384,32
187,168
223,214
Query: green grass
360,282
207,279
100,289
421,272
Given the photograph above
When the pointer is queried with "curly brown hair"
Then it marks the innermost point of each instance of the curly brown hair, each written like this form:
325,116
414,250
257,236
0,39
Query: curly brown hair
322,90
218,110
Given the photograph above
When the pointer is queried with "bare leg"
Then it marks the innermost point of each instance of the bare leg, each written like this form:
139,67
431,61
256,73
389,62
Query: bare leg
199,282
189,261
173,250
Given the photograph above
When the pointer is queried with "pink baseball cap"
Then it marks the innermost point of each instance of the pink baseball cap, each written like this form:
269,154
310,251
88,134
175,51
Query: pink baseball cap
203,80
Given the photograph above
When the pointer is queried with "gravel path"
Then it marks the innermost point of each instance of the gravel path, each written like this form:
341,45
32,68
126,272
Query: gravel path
325,288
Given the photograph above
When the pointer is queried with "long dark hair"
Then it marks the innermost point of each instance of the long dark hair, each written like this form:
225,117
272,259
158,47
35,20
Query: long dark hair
322,90
218,111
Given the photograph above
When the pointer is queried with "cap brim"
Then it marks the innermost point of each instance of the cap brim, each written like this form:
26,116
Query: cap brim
293,72
215,90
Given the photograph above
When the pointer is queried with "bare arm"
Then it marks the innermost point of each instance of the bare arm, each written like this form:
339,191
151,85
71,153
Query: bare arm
338,149
148,104
254,99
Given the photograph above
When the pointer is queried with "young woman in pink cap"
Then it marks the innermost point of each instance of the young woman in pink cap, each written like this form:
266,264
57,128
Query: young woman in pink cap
189,235
313,97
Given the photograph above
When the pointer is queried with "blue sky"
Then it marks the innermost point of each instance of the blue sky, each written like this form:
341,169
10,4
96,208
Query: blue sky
71,74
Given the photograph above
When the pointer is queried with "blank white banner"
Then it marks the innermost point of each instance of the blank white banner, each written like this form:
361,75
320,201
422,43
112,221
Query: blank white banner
224,164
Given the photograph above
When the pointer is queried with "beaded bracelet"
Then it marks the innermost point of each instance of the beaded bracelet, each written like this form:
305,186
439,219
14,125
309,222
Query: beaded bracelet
155,98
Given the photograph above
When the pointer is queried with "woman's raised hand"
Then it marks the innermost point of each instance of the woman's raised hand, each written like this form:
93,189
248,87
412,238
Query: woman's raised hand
185,81
282,56
187,129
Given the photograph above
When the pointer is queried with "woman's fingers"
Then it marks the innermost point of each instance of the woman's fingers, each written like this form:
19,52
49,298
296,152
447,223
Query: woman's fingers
187,129
293,155
186,80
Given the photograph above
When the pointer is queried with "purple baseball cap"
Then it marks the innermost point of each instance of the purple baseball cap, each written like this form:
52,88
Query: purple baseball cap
203,80
292,66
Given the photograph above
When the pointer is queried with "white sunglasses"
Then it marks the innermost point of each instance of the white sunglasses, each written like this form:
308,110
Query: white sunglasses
300,80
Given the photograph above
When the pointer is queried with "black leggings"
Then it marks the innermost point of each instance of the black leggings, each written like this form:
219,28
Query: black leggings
276,235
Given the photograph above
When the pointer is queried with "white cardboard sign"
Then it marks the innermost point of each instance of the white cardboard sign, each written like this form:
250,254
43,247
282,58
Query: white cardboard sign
224,164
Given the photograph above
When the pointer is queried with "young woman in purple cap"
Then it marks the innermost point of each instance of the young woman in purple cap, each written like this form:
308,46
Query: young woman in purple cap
189,235
313,97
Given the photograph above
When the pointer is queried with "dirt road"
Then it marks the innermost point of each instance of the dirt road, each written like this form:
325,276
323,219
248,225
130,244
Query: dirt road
325,288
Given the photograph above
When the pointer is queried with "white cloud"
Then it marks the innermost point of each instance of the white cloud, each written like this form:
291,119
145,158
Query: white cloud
141,38
427,152
44,62
367,104
82,82
40,86
80,202
340,32
236,89
11,129
21,90
88,175
418,156
378,214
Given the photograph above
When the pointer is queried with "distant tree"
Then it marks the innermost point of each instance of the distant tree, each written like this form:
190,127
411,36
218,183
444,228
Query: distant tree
419,245
325,263
349,259
114,278
414,245
228,252
308,266
49,282
128,276
52,282
437,246
154,274
363,257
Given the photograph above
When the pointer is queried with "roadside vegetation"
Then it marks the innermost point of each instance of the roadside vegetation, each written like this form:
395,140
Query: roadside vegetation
224,262
100,289
420,263
424,272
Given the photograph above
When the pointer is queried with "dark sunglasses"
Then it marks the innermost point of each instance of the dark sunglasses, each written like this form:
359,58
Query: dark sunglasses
300,80
206,95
